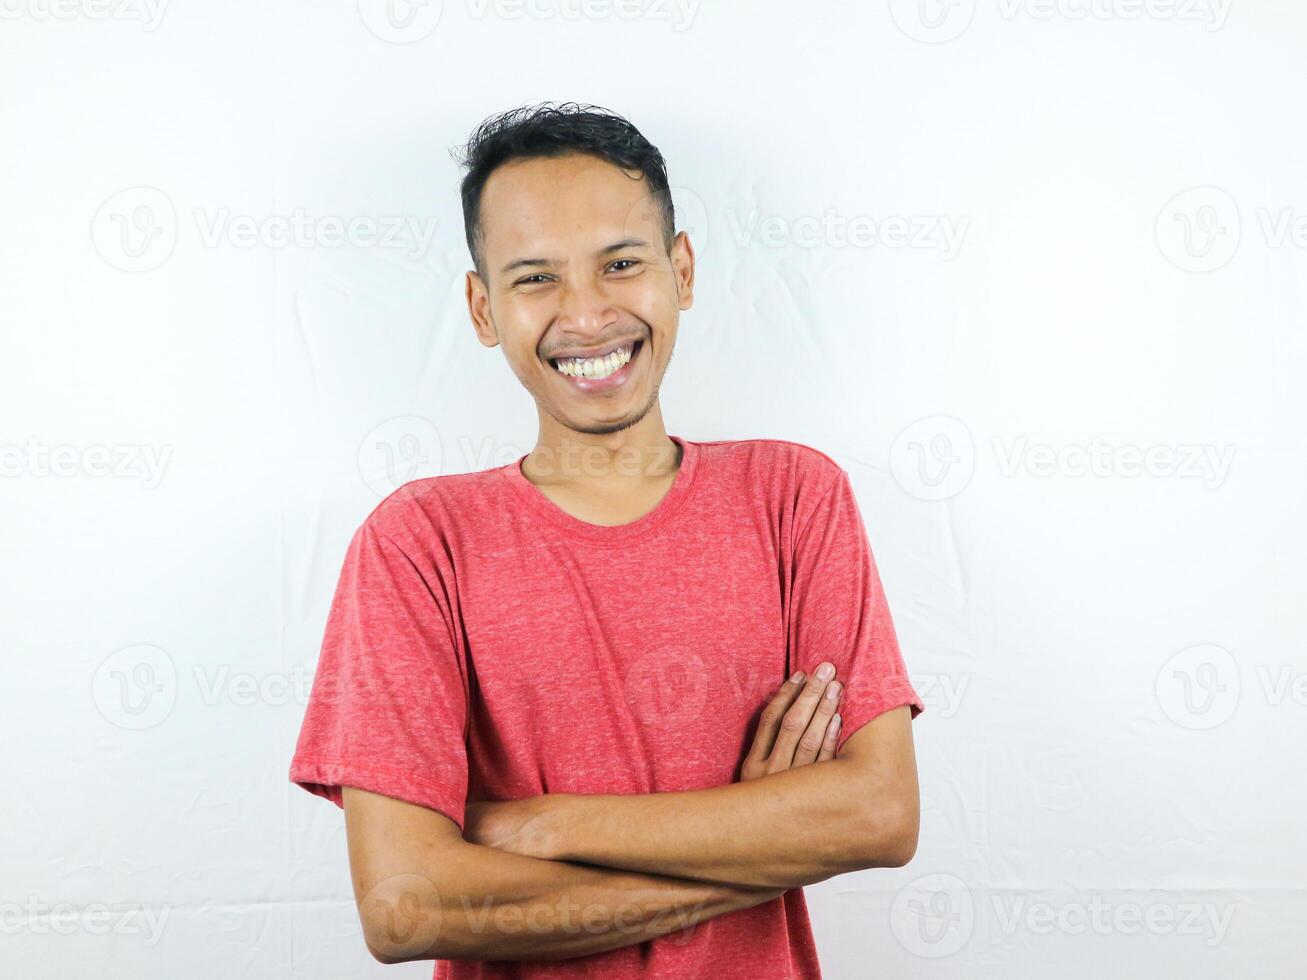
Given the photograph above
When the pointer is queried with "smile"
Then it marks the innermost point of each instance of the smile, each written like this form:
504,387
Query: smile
608,367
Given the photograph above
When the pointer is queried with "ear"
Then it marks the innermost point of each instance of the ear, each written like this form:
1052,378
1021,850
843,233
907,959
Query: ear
683,270
478,308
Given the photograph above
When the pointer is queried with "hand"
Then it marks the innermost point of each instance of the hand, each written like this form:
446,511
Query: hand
799,726
516,826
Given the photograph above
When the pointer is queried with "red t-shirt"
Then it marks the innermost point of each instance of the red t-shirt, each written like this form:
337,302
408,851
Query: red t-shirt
485,644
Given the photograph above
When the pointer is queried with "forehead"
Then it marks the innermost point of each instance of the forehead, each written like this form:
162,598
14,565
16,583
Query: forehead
549,204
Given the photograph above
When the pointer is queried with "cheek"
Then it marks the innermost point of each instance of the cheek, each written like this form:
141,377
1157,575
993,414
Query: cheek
650,300
518,322
515,314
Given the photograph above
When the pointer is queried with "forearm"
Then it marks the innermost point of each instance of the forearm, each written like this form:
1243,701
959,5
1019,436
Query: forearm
784,830
478,902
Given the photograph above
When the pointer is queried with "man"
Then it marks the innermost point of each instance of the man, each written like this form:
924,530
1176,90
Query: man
580,710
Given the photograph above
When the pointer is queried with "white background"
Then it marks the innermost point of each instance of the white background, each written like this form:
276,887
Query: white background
1070,399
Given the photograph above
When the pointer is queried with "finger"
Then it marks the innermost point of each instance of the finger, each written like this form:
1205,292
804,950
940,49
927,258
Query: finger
832,736
814,737
770,722
795,722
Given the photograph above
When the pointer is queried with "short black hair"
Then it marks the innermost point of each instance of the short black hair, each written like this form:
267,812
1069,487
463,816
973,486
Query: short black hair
554,129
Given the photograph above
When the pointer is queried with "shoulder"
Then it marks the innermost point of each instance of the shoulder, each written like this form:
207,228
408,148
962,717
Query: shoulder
804,467
788,481
422,510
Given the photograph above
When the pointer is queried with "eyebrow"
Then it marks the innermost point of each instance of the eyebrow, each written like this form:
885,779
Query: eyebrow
606,250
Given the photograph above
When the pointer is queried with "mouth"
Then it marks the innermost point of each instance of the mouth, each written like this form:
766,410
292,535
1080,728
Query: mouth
609,370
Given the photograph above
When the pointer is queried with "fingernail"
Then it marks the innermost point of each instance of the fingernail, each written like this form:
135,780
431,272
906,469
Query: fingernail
796,677
833,691
838,721
825,672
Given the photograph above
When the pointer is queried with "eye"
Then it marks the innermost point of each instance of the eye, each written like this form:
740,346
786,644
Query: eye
633,262
527,280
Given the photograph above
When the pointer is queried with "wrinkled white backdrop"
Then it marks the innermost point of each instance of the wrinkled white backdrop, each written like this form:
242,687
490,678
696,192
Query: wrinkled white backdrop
1032,272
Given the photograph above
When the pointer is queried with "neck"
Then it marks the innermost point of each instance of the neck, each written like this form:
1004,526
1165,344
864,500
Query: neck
639,453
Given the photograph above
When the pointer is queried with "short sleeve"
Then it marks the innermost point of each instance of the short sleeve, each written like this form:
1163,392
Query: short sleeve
387,711
838,612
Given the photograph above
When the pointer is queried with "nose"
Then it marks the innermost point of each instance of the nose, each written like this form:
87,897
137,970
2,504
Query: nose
585,309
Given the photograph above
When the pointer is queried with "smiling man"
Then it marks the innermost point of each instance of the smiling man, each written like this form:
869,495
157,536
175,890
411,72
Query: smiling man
583,711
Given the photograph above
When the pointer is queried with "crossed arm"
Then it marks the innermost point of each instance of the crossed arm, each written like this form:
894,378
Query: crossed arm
792,828
665,861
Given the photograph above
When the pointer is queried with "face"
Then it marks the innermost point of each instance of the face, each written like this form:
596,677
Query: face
576,268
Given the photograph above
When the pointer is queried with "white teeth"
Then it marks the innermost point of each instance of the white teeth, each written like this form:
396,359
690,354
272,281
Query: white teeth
595,367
